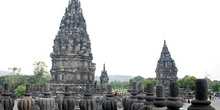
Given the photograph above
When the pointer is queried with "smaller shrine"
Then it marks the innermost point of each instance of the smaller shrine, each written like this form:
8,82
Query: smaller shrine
104,79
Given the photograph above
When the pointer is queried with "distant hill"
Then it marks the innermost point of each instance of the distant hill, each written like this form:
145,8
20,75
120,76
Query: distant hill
116,77
2,73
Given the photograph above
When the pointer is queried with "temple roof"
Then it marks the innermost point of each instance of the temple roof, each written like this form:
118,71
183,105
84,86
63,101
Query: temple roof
166,62
165,49
73,24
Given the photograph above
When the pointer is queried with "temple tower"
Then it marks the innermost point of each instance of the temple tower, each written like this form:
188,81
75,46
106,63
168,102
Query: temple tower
71,56
166,70
104,79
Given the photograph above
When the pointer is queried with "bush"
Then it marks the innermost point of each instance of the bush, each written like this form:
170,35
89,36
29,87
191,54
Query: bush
20,90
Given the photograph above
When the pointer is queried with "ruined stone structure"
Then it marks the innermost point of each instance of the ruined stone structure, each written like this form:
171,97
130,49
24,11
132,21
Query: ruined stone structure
71,56
166,70
104,79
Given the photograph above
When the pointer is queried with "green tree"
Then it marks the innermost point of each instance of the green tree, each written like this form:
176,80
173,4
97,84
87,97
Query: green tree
40,72
20,90
14,78
216,86
187,80
138,78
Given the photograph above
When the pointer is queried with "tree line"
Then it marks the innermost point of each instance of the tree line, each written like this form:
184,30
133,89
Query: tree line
186,81
15,79
42,76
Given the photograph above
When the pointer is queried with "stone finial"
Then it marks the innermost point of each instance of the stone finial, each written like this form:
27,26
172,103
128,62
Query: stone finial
88,88
141,95
67,103
150,88
141,87
26,103
174,89
134,85
28,92
67,88
130,85
6,88
160,99
174,102
47,93
47,87
133,98
201,95
47,102
87,103
110,89
127,96
6,101
148,104
109,103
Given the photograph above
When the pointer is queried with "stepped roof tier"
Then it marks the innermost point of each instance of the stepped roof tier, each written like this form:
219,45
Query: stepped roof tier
71,56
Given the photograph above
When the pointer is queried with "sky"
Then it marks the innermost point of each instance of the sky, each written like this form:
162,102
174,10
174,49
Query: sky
126,35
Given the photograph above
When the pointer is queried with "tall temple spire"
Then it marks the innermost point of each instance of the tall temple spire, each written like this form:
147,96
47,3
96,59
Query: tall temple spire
104,67
165,49
166,70
71,56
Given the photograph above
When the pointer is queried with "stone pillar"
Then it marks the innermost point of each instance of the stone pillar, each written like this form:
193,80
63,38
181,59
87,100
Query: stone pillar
47,102
148,104
109,103
67,103
140,102
174,102
128,94
26,103
160,99
133,98
87,103
6,101
201,95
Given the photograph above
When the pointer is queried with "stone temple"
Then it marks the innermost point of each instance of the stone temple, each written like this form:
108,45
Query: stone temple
104,79
166,70
71,56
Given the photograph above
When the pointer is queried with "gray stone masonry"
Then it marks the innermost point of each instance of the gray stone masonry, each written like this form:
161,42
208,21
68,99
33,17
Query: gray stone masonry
133,98
104,79
87,103
148,104
109,103
141,95
47,102
159,101
166,70
201,95
173,102
71,56
26,103
6,101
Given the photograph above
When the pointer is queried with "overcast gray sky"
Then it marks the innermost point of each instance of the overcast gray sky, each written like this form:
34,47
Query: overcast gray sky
126,35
